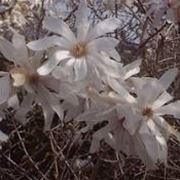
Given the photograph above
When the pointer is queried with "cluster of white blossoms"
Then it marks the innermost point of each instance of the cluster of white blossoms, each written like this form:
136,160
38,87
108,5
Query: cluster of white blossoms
83,68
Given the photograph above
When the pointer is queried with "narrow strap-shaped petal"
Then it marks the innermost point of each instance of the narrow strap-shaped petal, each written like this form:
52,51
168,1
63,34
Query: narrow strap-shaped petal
80,69
48,112
114,54
47,42
162,99
105,64
49,98
3,137
154,143
132,69
116,86
82,23
8,50
48,117
5,87
60,27
24,108
161,142
168,77
170,109
52,62
166,128
142,151
132,121
21,49
97,137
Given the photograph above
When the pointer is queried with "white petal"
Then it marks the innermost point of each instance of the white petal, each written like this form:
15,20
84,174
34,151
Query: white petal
132,120
60,27
114,54
47,42
5,87
3,137
162,99
72,111
106,64
132,69
48,118
82,23
8,50
142,152
150,91
21,49
50,82
80,69
55,105
154,143
24,108
138,83
13,102
65,71
49,98
171,109
168,77
103,27
164,127
97,137
161,142
52,62
116,86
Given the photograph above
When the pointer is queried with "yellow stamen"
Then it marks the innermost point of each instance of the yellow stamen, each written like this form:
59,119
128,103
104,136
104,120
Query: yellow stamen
79,50
147,111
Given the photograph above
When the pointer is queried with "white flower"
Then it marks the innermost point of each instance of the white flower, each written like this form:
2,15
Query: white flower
138,120
77,54
147,123
43,90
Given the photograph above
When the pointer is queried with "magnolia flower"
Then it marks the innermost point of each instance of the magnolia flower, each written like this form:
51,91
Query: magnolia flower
43,90
77,54
138,120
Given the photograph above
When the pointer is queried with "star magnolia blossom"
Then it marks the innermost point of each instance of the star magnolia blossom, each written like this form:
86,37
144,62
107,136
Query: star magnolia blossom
138,120
78,54
40,89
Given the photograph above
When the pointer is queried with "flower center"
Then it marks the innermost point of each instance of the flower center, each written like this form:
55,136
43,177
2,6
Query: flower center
21,77
147,111
79,50
33,79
